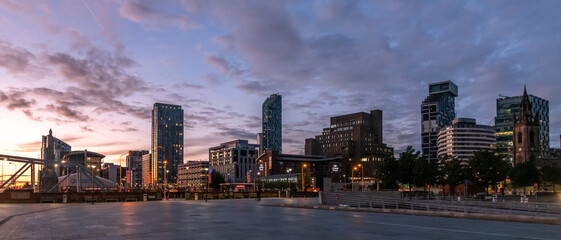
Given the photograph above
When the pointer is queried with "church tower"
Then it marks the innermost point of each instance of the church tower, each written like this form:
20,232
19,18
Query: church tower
526,142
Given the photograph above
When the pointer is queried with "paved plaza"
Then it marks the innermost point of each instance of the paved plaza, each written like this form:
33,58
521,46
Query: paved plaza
243,219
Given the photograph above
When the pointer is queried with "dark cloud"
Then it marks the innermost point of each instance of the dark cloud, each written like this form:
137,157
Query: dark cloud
14,59
130,129
235,133
15,99
153,18
64,112
86,129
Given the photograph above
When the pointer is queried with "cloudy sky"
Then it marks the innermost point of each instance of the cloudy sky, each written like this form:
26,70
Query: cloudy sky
91,70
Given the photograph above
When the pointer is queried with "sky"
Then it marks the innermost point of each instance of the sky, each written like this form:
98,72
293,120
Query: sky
91,70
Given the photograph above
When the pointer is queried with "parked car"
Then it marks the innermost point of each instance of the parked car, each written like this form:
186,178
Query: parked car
480,195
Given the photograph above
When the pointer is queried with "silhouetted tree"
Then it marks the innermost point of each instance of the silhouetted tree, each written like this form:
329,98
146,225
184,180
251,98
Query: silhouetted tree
488,168
524,174
388,172
451,171
424,172
551,175
406,164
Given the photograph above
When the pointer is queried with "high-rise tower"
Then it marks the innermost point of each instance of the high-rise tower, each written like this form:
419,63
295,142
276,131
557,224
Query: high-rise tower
526,133
167,142
507,109
271,137
437,111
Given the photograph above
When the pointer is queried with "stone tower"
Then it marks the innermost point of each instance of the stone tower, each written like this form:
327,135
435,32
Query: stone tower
526,142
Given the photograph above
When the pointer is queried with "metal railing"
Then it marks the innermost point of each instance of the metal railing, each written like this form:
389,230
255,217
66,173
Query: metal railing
364,200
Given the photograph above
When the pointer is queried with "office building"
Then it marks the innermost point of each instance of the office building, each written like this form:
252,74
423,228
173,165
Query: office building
437,111
147,171
464,137
507,109
167,142
357,138
134,168
193,175
52,150
271,135
234,160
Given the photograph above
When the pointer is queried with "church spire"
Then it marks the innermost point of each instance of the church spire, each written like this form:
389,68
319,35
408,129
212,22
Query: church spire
50,131
525,108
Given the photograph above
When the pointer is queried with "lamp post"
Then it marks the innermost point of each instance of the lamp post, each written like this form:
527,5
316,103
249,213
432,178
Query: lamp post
353,178
361,175
15,170
5,159
165,179
206,190
93,183
288,177
303,166
121,171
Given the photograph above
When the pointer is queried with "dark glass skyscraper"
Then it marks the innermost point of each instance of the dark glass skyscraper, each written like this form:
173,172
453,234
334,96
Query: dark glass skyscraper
167,141
272,124
437,111
507,109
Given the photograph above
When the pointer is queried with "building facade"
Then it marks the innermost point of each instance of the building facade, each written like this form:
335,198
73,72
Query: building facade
193,175
167,142
85,158
134,168
234,160
526,142
271,135
147,171
507,109
52,150
271,163
464,137
437,111
357,138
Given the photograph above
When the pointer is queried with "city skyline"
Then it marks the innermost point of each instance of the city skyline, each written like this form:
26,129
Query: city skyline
91,71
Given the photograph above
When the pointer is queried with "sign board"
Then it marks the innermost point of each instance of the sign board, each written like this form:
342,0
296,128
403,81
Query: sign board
335,168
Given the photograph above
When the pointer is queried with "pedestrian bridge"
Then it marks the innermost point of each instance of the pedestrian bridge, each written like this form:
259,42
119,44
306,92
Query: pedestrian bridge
29,164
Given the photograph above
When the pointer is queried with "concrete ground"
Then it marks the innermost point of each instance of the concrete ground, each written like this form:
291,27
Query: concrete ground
243,219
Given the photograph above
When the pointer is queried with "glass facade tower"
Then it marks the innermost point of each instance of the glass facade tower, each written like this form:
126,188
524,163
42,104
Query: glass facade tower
437,111
507,109
272,124
167,142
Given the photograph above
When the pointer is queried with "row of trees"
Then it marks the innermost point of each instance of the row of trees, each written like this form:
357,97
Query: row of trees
484,169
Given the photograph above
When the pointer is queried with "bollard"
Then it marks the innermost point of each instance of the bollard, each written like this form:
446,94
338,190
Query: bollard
64,198
144,197
196,196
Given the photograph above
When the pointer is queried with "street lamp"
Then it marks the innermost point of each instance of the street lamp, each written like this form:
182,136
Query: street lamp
362,175
93,183
121,171
206,190
288,177
5,159
303,166
165,178
353,178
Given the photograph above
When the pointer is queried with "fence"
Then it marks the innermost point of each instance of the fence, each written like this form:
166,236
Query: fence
364,200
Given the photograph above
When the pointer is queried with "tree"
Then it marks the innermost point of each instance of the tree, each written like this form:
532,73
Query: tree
452,171
406,164
551,175
524,174
307,181
488,168
387,173
424,172
217,179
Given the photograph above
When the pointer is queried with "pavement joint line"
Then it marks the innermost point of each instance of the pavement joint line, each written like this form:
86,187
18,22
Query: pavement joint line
475,216
6,219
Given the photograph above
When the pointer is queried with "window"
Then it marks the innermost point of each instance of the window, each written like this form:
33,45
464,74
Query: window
519,137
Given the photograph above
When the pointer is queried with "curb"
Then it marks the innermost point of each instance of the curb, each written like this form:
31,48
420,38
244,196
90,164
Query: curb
475,216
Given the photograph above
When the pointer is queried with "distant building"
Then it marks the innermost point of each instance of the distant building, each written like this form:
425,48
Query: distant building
52,150
437,111
526,142
464,137
275,166
167,142
507,109
111,172
357,138
193,175
259,138
134,168
271,136
147,171
234,160
85,158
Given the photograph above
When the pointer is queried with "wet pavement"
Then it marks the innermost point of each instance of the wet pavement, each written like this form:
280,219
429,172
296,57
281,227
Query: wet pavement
243,219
